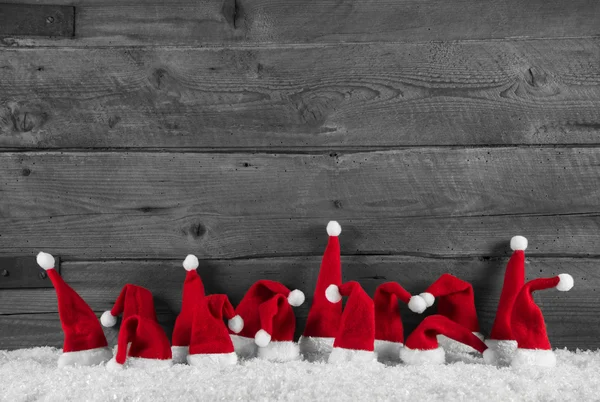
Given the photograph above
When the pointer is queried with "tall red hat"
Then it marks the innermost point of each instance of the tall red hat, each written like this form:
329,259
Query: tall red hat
85,343
422,344
210,342
456,301
389,331
355,339
275,337
133,300
249,310
528,326
324,318
193,292
501,338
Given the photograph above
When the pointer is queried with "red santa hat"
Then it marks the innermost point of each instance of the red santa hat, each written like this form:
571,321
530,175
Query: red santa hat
275,338
133,300
193,292
249,310
355,338
324,318
501,338
85,343
422,345
457,302
389,332
210,343
142,343
528,326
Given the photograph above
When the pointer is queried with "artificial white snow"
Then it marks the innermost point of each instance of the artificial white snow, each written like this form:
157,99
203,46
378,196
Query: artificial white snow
31,375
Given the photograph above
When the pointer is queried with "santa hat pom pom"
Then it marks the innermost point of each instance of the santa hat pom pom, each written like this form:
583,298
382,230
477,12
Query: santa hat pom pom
236,324
428,297
108,320
190,263
296,297
518,243
262,338
332,293
334,228
566,282
45,260
489,356
417,304
112,365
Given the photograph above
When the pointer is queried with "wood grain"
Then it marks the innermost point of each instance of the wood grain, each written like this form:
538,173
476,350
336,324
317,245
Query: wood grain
209,22
430,201
32,313
368,95
36,20
24,272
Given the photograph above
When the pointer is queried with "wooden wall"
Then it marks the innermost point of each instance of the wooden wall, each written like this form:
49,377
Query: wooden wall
433,131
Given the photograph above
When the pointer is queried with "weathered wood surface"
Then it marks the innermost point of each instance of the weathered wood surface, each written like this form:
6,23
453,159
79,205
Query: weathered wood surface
36,20
28,317
367,95
430,201
24,272
184,22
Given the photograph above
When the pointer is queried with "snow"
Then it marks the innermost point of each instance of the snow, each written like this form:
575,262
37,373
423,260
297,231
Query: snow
31,374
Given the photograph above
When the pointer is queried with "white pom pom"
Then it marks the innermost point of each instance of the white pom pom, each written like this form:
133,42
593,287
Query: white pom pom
236,324
428,297
190,263
262,338
296,297
334,228
417,304
332,293
108,320
490,357
518,243
112,365
566,282
45,260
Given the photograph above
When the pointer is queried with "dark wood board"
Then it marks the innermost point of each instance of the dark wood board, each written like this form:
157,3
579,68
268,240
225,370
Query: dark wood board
353,96
185,22
24,272
37,20
417,201
99,283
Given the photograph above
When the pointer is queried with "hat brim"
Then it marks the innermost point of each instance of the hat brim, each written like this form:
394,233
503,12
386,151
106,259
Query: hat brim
418,357
533,357
90,357
279,351
143,363
387,350
343,355
212,359
315,348
180,354
503,349
243,346
452,346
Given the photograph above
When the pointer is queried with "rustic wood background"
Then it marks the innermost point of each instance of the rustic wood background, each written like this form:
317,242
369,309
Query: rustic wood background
134,132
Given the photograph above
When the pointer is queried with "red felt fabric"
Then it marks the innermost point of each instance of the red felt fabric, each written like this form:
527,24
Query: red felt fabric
277,318
514,279
80,325
134,300
193,292
455,300
148,340
388,323
424,337
209,332
357,326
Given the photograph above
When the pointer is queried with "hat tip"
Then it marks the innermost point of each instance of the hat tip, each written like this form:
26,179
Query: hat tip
518,243
108,320
236,324
565,282
332,293
190,263
334,228
417,304
296,297
262,338
45,260
428,297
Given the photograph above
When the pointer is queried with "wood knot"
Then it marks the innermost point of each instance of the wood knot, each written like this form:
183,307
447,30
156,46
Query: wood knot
197,230
337,204
22,117
26,172
535,77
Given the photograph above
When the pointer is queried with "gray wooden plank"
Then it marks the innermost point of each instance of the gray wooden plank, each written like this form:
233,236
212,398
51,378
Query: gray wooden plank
430,201
23,272
37,20
352,95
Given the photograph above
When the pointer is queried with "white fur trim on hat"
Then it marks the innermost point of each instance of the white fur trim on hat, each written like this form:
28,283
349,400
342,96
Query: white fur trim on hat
45,260
428,297
212,359
108,320
244,347
452,346
332,293
296,298
334,228
342,355
179,354
236,324
417,304
90,357
262,338
518,243
565,282
423,357
315,348
279,351
191,262
387,351
140,362
533,357
504,350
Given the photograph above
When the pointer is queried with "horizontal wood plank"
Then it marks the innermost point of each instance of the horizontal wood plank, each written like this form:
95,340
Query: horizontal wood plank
24,272
184,22
36,20
29,318
430,201
383,95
